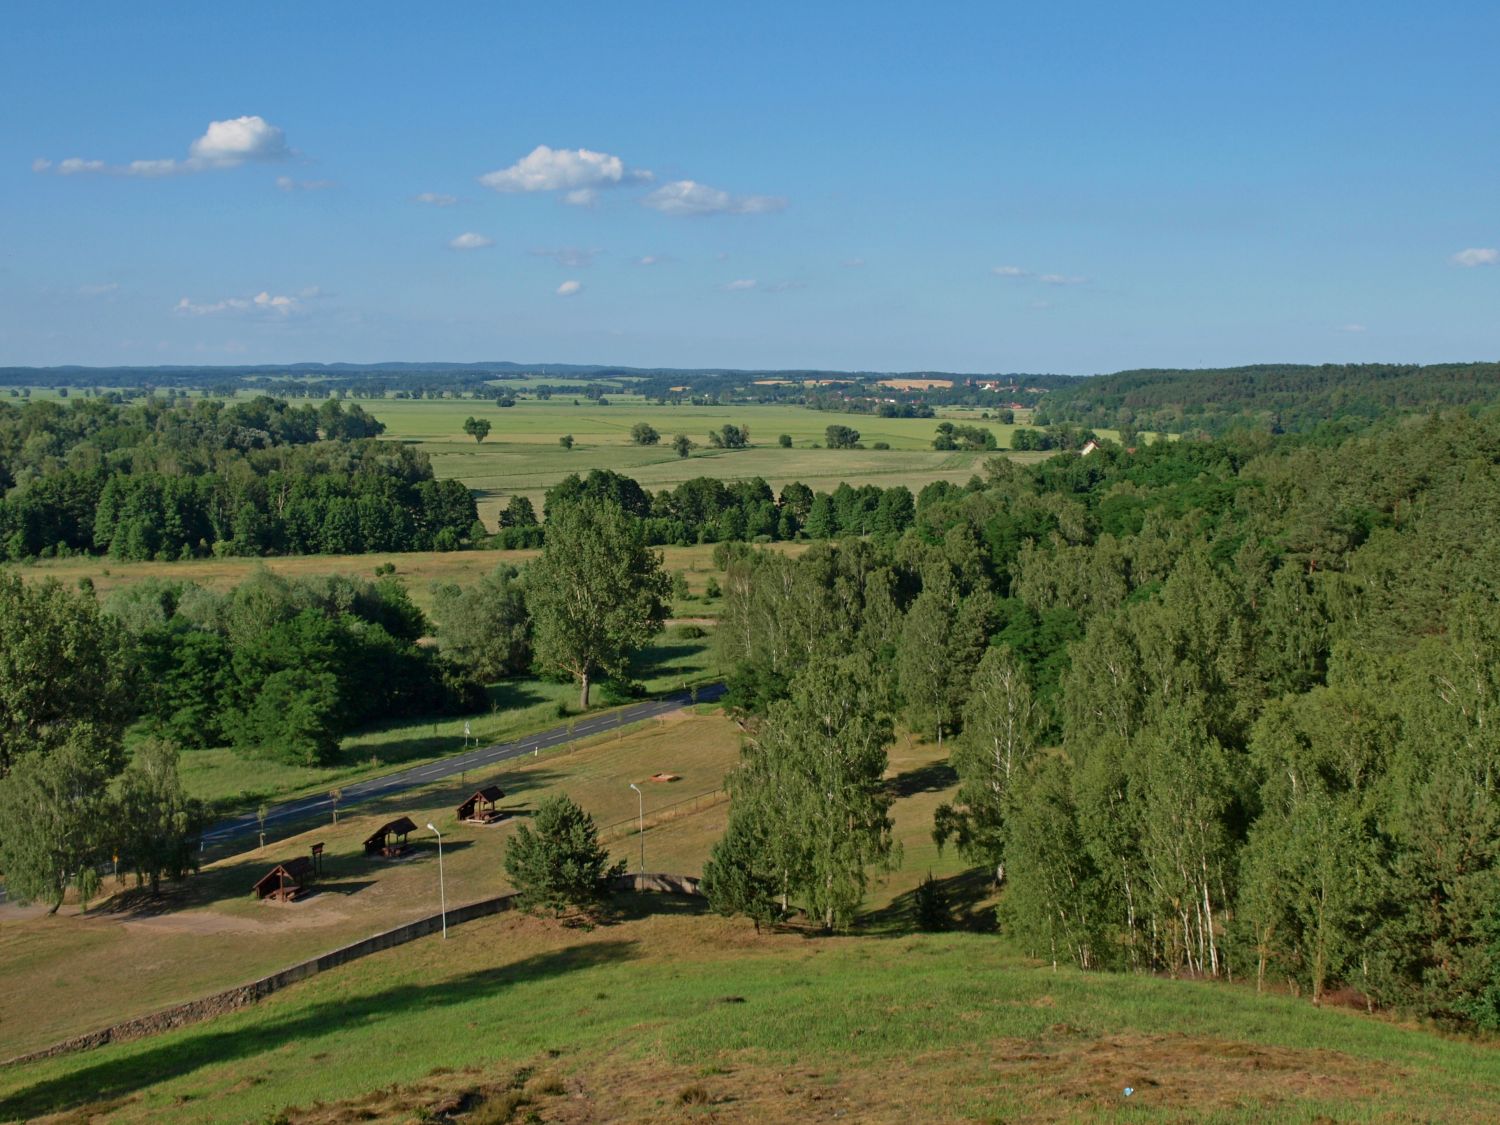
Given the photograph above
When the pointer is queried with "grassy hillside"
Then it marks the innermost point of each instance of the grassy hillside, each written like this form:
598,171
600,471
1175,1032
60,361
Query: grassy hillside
666,1014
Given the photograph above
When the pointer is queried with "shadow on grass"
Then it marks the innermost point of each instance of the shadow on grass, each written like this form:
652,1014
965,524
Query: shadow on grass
512,695
192,1050
968,893
931,778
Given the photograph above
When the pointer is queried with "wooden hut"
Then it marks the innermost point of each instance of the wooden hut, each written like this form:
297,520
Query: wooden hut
389,840
480,808
286,881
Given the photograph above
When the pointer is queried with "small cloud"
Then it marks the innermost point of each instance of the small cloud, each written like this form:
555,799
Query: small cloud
228,143
1476,256
739,286
568,288
263,303
570,257
286,183
581,197
1062,279
1009,271
1352,328
98,290
435,199
650,260
784,286
722,256
578,172
1040,306
853,263
224,144
469,240
687,197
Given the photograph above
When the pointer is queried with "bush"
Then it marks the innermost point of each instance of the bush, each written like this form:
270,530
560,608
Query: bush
934,911
557,862
881,445
690,632
712,589
785,441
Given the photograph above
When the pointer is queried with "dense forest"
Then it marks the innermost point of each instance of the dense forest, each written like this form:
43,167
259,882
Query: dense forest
1218,709
157,480
1276,398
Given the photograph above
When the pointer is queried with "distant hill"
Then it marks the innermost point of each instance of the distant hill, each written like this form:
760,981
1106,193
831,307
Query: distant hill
1277,397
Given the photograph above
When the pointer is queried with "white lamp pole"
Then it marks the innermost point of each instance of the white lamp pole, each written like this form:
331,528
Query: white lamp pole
641,822
442,890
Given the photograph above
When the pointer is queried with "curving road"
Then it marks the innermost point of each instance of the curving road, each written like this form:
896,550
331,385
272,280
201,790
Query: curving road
228,831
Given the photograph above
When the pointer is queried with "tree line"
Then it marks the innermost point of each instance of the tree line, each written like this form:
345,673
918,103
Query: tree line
159,480
1215,709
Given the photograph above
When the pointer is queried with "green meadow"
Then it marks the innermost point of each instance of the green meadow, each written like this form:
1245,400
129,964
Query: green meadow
522,454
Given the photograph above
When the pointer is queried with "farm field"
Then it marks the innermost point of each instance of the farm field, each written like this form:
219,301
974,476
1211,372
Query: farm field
209,933
522,456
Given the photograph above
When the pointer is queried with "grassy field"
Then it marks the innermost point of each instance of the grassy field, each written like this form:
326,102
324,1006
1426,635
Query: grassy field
668,1014
522,454
418,570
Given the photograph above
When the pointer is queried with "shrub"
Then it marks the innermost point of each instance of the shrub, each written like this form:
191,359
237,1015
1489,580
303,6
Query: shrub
557,862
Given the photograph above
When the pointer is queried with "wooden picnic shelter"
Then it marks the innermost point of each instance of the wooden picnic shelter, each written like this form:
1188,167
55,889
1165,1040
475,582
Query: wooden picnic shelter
286,881
480,808
389,839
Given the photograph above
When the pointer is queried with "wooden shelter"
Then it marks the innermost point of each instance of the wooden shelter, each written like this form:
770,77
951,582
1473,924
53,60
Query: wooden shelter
389,839
480,808
287,881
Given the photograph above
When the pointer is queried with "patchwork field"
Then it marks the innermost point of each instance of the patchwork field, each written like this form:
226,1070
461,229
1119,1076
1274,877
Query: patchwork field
522,454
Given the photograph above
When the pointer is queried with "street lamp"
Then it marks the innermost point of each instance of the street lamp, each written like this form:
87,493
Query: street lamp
641,821
442,891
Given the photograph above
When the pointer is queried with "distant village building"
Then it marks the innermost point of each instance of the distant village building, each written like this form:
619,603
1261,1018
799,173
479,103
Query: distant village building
1088,447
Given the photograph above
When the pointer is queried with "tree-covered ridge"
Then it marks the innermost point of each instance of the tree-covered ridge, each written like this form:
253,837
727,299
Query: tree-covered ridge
1292,398
1217,708
155,480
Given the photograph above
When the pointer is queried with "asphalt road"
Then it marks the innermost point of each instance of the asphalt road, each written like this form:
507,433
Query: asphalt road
228,832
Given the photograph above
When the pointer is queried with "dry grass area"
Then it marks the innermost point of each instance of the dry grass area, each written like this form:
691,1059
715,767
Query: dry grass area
915,384
419,570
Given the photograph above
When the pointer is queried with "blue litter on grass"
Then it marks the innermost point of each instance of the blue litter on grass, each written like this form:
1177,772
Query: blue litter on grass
1129,1090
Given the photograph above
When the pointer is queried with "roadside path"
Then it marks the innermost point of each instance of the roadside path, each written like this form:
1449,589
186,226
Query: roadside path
246,826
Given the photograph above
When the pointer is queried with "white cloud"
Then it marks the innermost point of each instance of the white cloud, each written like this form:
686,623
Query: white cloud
570,257
648,260
469,240
263,303
854,263
1352,328
224,144
578,172
568,288
688,197
286,183
435,199
1045,278
98,290
1476,256
581,197
740,285
785,286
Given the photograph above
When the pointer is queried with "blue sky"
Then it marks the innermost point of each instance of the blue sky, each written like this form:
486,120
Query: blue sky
988,187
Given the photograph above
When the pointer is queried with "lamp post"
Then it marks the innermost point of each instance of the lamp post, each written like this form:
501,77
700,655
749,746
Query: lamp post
442,891
641,821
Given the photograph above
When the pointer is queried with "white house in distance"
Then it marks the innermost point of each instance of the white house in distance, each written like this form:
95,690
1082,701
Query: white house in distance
1088,447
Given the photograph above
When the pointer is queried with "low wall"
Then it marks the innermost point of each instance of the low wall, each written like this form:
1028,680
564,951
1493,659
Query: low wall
180,1015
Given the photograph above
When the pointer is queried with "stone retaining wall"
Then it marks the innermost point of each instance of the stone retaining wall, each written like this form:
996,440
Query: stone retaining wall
180,1015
